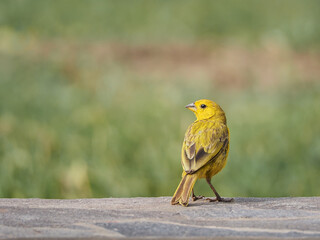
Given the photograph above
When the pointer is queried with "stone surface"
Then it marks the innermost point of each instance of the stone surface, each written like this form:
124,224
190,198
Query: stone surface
110,218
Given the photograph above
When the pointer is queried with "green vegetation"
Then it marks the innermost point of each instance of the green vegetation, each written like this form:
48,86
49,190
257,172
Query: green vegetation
92,95
295,22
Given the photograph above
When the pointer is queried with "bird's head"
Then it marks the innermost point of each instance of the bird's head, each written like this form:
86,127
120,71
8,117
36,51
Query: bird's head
205,109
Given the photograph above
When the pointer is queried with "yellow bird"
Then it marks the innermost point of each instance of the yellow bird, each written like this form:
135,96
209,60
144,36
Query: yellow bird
204,151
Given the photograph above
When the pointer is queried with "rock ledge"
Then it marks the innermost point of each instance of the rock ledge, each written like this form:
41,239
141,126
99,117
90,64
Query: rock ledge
112,218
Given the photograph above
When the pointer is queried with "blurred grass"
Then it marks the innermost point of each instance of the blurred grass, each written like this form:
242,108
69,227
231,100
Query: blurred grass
92,95
294,22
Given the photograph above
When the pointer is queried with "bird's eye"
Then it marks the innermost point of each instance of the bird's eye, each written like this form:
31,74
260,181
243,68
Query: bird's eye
203,106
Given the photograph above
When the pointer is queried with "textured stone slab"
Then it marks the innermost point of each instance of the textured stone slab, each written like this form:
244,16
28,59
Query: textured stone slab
267,218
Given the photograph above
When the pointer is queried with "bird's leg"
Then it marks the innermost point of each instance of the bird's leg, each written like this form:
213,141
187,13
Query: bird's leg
195,198
218,198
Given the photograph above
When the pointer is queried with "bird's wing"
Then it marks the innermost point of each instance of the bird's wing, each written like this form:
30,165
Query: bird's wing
203,144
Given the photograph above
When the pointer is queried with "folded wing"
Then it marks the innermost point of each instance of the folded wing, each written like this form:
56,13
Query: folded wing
203,143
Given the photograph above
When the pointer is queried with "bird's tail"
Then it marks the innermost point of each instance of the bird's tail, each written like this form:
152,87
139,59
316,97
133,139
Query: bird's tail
184,189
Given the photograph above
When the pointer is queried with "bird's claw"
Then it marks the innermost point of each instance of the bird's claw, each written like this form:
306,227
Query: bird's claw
195,198
225,200
220,199
211,199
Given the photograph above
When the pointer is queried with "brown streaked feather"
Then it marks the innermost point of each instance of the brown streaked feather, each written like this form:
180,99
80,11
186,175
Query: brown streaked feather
190,151
178,193
184,189
210,143
201,153
204,154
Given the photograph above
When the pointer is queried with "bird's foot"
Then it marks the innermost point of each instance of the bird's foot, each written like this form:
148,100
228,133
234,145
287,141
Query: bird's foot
220,199
225,200
195,198
211,199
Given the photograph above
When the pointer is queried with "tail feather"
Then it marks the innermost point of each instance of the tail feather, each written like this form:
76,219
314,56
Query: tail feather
184,189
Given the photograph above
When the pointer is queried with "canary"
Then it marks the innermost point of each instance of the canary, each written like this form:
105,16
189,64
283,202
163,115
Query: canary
204,150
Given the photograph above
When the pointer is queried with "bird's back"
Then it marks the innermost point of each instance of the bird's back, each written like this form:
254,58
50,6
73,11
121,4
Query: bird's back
205,145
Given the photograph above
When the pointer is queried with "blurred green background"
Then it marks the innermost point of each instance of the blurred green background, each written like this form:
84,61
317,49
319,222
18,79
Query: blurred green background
92,95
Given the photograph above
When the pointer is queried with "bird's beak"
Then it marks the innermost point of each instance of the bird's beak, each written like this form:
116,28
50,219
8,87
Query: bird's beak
191,106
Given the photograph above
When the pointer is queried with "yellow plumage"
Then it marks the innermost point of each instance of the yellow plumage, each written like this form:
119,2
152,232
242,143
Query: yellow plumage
204,149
